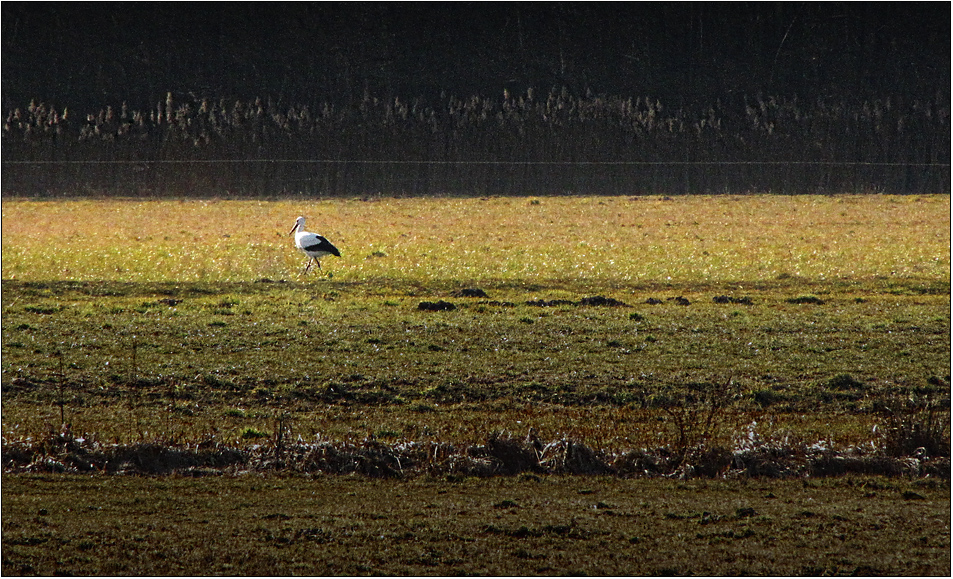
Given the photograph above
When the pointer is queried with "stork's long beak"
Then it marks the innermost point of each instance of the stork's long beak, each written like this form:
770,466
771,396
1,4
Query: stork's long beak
293,229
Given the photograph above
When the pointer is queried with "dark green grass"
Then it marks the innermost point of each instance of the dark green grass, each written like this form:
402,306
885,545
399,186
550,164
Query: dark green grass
188,361
82,525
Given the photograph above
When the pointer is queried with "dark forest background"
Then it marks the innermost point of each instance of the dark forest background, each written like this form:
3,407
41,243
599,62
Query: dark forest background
474,98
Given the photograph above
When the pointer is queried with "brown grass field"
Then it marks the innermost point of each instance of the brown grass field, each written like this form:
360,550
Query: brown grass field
499,526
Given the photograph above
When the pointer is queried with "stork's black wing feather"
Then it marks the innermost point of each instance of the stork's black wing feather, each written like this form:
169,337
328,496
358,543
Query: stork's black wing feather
323,245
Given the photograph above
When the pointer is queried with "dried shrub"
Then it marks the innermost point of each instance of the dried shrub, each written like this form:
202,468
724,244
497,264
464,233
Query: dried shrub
568,457
510,455
697,413
635,463
916,426
710,462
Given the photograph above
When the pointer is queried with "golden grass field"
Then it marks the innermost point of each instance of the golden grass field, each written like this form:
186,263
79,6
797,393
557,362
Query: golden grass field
605,241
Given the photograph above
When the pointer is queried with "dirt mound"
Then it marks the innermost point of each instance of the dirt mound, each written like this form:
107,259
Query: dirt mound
603,302
439,306
732,300
677,300
470,292
593,301
805,300
497,304
550,303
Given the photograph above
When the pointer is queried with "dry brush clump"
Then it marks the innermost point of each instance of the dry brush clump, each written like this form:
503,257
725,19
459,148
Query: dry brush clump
502,454
916,425
520,144
64,452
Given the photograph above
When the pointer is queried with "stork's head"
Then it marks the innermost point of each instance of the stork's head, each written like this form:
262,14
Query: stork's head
299,224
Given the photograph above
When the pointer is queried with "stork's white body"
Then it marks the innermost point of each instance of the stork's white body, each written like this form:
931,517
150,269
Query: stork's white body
311,244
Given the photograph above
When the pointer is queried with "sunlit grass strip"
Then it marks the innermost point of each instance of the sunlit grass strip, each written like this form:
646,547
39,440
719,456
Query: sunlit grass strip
606,240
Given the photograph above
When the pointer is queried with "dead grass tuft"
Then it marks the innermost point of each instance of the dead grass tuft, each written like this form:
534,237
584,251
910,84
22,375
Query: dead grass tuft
501,455
568,457
916,425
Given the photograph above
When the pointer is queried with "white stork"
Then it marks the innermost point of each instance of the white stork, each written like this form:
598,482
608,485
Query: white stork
312,244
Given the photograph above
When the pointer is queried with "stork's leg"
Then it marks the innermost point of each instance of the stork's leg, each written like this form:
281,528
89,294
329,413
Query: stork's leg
308,267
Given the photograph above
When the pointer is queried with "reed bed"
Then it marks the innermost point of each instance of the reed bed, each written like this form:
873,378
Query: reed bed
526,144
